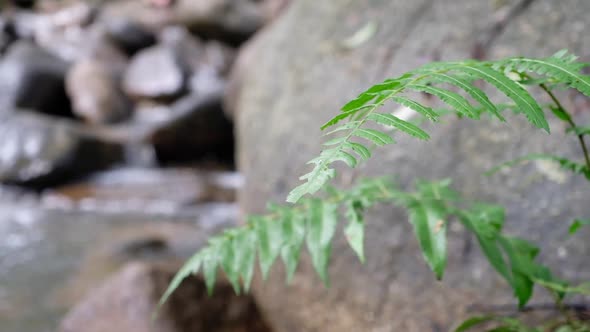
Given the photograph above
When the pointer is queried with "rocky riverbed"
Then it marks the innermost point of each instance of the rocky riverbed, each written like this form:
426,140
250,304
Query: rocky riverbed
117,160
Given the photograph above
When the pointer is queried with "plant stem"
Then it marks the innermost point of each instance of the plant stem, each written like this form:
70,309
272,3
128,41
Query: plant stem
570,121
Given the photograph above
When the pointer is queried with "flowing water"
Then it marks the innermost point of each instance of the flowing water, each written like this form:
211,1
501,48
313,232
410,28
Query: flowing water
45,242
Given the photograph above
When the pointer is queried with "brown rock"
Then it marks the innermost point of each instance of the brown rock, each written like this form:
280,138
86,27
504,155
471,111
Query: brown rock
95,93
298,76
127,301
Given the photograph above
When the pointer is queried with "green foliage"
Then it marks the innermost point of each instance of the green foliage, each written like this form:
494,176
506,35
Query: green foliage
508,76
432,205
577,224
564,163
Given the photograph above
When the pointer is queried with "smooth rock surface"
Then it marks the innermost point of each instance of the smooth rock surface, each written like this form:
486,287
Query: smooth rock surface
156,72
298,76
38,151
32,78
128,35
232,21
94,89
196,129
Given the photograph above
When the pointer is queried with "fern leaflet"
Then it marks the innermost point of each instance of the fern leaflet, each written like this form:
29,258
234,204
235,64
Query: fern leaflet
439,80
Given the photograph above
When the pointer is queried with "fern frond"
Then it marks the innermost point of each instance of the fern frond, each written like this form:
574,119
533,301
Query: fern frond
434,79
564,163
282,232
561,68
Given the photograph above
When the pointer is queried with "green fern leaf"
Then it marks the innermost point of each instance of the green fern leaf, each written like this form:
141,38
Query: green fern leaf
486,222
270,241
321,225
428,219
563,71
355,230
245,244
315,181
346,157
210,261
477,94
360,149
294,233
577,224
375,136
417,107
511,89
358,102
564,163
453,99
229,262
392,121
472,322
579,130
190,267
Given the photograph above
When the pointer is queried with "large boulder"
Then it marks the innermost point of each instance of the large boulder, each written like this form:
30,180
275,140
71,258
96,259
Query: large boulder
298,75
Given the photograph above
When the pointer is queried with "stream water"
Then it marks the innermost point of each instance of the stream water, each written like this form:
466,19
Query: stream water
47,246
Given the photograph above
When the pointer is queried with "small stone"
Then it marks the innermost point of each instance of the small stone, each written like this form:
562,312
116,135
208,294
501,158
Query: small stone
32,78
197,129
130,36
95,93
41,151
154,73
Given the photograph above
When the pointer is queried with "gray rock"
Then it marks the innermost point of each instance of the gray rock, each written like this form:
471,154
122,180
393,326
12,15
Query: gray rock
188,48
95,92
40,151
32,78
232,21
127,301
156,72
129,35
7,34
220,57
298,77
72,34
195,129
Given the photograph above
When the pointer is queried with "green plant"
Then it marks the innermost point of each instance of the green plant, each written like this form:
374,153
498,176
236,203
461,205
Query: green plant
432,205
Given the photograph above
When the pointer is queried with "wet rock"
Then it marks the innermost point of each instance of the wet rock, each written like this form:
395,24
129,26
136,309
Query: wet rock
39,151
148,242
95,92
32,78
299,86
206,81
196,129
24,3
232,21
187,48
127,301
71,34
219,57
156,73
129,35
7,34
25,24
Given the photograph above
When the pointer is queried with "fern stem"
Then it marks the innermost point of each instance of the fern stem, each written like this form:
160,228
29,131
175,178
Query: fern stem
570,121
